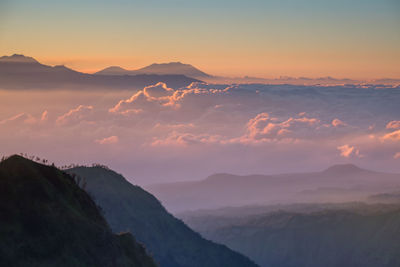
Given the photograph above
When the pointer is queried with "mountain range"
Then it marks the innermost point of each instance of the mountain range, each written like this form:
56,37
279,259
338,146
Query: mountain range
21,72
159,69
130,208
306,235
338,183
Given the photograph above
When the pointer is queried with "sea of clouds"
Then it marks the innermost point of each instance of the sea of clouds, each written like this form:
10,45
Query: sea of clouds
164,134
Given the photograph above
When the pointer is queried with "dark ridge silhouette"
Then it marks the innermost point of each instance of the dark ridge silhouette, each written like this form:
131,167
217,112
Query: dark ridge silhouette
130,208
20,72
160,69
47,220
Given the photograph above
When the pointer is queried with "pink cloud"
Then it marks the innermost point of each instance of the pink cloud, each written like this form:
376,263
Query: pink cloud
108,140
393,125
74,115
264,127
159,97
23,118
185,139
158,91
347,151
151,98
337,123
395,136
397,155
45,116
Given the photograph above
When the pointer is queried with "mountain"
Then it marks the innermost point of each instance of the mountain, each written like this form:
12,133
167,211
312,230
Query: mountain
169,240
115,70
338,183
312,235
47,220
21,72
159,69
390,197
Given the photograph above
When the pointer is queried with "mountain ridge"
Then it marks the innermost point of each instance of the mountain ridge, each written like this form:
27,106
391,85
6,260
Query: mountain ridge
21,72
169,240
336,183
158,68
46,219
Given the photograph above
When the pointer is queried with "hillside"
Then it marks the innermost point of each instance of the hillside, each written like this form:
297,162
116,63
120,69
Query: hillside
338,183
169,240
21,72
312,235
47,220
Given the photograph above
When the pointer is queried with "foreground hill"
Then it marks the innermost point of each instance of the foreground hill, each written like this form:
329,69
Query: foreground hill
312,235
338,183
159,69
47,220
169,240
21,72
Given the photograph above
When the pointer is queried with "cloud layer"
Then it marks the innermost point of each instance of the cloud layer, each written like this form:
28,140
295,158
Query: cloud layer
160,133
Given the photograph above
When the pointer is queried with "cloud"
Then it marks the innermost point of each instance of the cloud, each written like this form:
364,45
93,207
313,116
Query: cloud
160,90
263,126
158,98
185,139
75,115
394,136
151,98
22,118
393,125
347,151
108,140
45,116
397,155
273,125
338,123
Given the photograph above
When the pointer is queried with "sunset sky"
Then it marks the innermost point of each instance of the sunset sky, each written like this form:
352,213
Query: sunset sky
354,39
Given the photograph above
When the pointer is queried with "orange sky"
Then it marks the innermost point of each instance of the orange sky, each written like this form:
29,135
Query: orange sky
258,38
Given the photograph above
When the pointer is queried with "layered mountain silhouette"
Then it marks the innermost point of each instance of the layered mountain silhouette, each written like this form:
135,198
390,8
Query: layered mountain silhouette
21,72
390,197
336,184
46,219
160,69
312,235
130,208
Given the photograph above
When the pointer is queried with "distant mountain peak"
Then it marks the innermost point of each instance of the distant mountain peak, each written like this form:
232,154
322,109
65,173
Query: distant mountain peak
18,58
174,68
170,68
343,168
176,63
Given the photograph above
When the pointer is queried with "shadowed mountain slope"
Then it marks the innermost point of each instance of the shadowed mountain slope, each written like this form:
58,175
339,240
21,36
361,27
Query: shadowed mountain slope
169,240
47,220
20,72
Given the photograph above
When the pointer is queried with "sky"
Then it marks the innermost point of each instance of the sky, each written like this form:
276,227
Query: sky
353,39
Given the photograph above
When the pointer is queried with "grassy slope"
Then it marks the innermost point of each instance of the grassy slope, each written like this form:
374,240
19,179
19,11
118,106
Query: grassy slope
47,220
